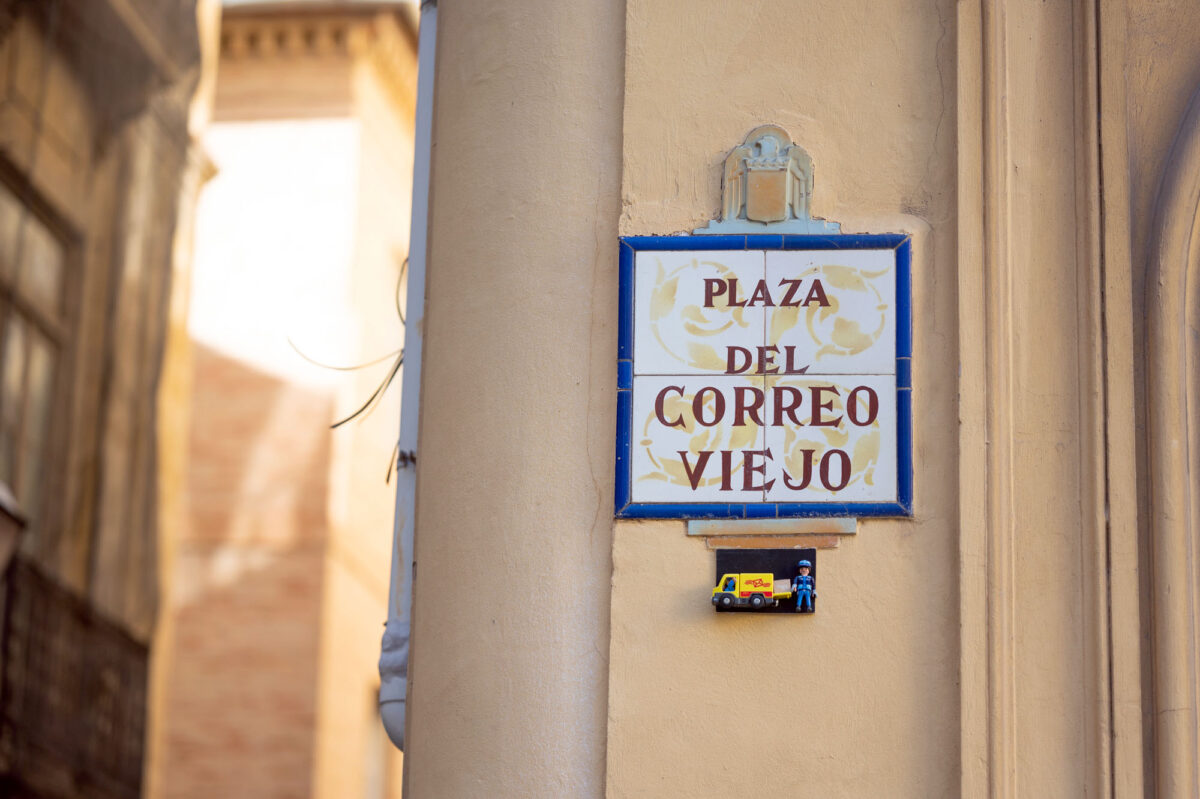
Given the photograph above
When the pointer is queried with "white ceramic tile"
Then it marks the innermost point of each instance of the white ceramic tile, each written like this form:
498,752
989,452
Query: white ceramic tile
674,333
659,474
869,444
856,332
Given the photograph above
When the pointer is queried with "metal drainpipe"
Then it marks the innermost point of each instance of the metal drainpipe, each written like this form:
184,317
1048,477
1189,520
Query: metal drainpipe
393,659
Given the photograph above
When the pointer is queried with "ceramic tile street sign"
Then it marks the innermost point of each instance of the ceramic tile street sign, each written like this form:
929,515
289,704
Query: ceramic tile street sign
764,376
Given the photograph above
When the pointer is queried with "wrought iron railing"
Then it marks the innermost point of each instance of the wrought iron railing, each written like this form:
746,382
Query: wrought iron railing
72,695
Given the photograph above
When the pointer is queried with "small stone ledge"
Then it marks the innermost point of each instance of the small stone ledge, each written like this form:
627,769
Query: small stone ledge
803,541
837,526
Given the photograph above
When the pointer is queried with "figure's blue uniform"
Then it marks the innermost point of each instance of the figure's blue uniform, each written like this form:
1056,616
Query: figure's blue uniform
803,586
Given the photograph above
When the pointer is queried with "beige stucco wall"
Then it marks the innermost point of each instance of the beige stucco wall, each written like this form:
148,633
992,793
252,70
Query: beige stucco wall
861,699
515,490
997,642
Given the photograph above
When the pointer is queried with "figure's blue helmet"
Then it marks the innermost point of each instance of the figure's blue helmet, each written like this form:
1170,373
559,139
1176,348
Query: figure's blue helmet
804,563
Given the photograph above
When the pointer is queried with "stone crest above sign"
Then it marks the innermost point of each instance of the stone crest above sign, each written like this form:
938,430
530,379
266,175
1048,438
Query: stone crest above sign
768,185
764,375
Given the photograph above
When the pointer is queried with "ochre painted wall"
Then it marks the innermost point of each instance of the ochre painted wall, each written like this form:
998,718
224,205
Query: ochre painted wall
997,643
860,699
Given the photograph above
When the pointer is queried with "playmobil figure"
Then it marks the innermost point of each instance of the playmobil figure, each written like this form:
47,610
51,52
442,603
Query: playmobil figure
804,588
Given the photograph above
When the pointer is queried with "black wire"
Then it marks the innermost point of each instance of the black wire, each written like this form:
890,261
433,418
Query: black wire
392,463
376,394
315,362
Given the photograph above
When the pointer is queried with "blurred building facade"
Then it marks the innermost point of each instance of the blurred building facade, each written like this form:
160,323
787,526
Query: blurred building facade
95,159
283,534
1033,629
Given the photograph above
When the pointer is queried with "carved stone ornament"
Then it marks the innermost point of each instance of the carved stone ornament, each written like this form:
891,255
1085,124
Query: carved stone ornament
768,186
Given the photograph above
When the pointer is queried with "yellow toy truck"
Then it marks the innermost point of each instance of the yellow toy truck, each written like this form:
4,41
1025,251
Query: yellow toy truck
755,590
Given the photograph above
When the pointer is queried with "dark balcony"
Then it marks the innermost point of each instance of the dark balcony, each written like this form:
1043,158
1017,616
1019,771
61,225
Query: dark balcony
72,695
124,51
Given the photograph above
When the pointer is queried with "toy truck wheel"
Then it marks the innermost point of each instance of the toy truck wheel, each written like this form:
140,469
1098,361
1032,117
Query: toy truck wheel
757,601
726,601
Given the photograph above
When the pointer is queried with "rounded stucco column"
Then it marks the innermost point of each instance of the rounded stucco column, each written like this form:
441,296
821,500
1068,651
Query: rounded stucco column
514,483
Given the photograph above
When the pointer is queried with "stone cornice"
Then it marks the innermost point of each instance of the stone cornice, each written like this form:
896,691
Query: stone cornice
261,37
282,31
382,39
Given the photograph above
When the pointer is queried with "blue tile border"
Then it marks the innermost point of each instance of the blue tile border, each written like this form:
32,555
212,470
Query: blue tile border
624,374
764,242
765,510
904,448
625,304
843,241
630,245
904,299
781,510
759,241
853,509
621,495
660,243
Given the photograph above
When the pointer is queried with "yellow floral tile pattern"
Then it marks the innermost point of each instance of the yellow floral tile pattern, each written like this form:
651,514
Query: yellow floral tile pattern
764,376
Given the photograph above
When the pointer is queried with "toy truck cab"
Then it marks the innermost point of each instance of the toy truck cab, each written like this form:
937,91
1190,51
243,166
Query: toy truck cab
754,590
